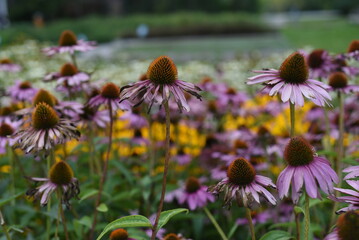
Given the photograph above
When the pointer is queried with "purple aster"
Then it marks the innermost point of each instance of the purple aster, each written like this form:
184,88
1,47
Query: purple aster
243,185
347,227
68,42
68,76
338,81
22,91
6,65
162,82
192,193
320,63
61,177
292,82
305,167
109,96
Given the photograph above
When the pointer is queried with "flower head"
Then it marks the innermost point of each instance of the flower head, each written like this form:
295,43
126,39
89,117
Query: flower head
7,128
338,81
22,91
173,236
161,83
244,185
6,65
292,81
61,177
353,50
320,63
347,227
68,76
120,234
305,167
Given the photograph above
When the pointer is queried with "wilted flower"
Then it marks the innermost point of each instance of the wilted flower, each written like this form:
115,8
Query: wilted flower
22,91
305,167
161,83
61,177
338,81
68,42
347,227
244,185
6,65
120,234
68,75
292,81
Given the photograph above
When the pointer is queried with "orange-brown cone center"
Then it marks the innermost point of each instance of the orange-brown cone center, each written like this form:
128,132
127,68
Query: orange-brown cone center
315,59
68,69
162,71
44,116
67,38
298,152
294,69
61,173
25,85
348,225
171,236
119,234
241,172
110,90
192,185
6,130
354,46
45,97
338,80
5,61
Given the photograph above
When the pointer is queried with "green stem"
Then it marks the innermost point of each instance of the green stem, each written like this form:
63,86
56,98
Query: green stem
292,119
214,222
12,176
306,218
297,225
341,135
63,218
4,227
48,219
250,222
165,170
73,58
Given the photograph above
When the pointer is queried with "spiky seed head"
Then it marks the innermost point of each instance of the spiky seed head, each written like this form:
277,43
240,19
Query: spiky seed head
43,96
68,69
241,172
298,152
44,116
262,131
6,130
171,236
338,80
212,106
354,46
143,77
315,59
294,69
67,38
239,144
348,225
231,91
61,173
6,111
162,71
192,185
25,85
110,90
5,61
119,234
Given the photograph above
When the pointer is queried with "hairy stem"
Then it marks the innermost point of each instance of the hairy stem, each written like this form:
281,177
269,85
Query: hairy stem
214,222
63,218
250,222
306,218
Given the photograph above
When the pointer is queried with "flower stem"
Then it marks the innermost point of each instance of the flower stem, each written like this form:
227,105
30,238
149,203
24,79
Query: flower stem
292,119
214,222
63,219
338,162
297,225
12,175
4,227
73,58
104,173
48,219
164,179
306,218
250,222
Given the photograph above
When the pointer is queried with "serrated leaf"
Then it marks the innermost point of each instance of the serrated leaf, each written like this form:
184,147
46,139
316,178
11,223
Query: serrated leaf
128,221
276,235
87,194
102,207
167,215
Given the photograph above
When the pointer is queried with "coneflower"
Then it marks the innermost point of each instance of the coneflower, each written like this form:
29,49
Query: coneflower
173,236
338,82
120,234
347,227
353,50
320,63
22,91
68,75
6,65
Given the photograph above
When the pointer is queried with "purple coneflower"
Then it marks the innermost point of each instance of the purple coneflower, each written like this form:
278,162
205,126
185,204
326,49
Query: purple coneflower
7,128
92,116
60,177
120,234
320,63
257,217
342,66
68,75
46,130
353,50
161,83
192,193
292,81
6,65
338,81
305,167
109,95
173,236
244,185
347,227
68,42
22,91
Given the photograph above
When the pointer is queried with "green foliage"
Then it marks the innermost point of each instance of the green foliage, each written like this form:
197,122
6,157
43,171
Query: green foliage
167,215
276,235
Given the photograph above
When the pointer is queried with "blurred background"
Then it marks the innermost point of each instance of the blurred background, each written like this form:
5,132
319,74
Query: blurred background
190,29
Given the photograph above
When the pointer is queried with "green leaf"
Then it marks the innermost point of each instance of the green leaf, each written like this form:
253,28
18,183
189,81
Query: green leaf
128,221
282,225
86,221
6,200
87,194
298,209
167,215
276,235
102,207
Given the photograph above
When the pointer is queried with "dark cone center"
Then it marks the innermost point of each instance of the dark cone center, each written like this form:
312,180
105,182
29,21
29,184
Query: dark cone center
294,69
239,144
110,90
25,85
44,117
68,69
171,236
192,185
354,46
5,61
67,38
5,111
45,97
348,225
162,71
6,130
241,172
338,80
61,173
119,234
298,152
315,59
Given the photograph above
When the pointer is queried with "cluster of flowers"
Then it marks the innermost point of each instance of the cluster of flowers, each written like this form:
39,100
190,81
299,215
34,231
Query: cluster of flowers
235,147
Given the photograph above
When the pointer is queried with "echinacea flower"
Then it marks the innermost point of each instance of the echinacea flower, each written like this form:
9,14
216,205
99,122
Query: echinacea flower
292,82
338,81
347,227
257,217
353,50
68,42
173,236
162,82
304,166
46,130
92,116
7,128
120,234
320,63
6,65
192,193
68,75
60,177
22,91
109,95
243,185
